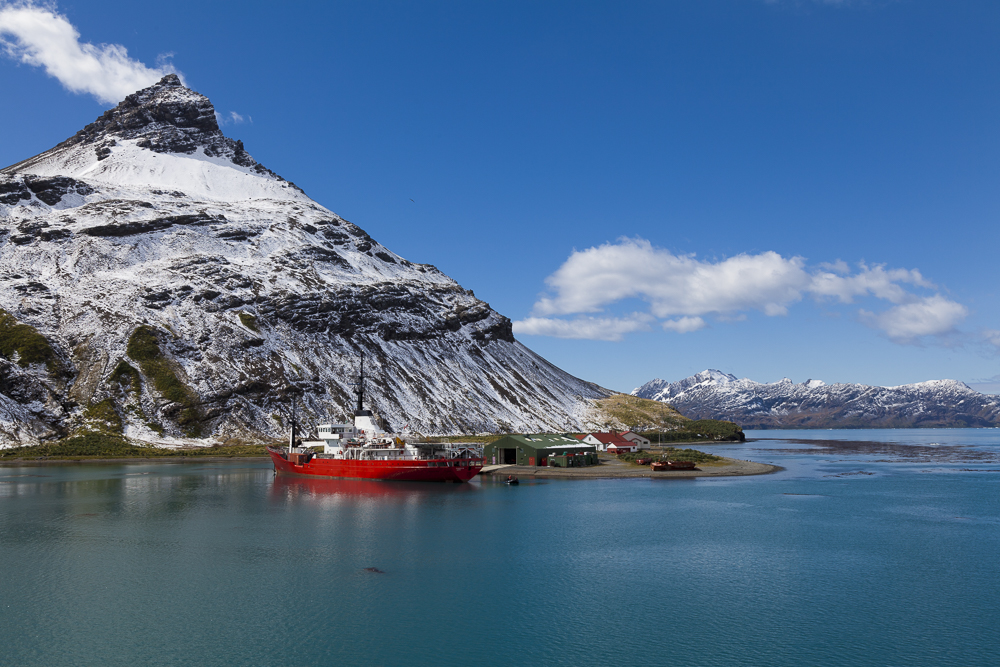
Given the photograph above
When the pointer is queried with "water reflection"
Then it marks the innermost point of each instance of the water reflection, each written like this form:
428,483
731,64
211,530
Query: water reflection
286,488
227,564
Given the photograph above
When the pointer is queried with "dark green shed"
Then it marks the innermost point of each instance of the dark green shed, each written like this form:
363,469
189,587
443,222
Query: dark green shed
535,449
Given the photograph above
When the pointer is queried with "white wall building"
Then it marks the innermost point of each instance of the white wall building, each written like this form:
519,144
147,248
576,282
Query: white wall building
636,438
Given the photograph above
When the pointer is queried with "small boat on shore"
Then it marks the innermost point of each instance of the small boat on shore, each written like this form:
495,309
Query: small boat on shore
360,450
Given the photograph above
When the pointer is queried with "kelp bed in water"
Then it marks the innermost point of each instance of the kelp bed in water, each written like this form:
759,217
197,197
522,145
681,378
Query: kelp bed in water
893,451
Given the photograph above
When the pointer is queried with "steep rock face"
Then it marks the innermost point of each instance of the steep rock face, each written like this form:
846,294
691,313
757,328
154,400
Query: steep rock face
165,118
813,404
175,275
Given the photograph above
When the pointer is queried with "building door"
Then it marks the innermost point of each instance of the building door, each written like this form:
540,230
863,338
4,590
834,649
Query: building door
510,456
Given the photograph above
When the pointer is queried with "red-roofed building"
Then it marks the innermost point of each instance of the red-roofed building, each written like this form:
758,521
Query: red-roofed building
603,442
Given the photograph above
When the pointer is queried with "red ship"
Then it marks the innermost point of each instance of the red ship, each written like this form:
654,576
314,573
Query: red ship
361,451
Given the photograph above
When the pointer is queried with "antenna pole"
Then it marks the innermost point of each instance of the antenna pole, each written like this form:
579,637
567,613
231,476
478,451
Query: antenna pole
361,386
291,436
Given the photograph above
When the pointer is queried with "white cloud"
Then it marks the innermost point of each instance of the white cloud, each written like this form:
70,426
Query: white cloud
586,328
235,117
877,281
929,316
681,290
37,35
684,324
840,266
673,284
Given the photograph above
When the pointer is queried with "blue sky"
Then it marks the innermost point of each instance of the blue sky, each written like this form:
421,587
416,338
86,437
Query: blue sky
791,188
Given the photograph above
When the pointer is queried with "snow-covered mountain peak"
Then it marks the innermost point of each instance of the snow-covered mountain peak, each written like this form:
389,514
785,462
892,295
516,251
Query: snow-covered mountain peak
663,390
169,116
169,93
150,226
937,385
716,377
167,137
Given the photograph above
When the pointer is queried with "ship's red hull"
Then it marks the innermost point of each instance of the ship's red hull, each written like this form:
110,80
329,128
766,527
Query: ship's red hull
441,470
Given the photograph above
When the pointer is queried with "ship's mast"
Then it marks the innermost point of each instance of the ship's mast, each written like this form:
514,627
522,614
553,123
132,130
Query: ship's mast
291,435
363,419
360,388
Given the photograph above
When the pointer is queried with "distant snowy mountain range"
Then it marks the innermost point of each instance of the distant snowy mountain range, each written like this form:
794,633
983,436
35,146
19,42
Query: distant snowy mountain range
192,292
712,394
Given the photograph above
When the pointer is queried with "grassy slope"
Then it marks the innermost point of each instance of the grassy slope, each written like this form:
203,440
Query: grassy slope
23,340
144,348
659,421
622,412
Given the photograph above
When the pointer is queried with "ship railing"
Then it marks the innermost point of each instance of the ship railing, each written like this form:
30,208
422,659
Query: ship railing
462,463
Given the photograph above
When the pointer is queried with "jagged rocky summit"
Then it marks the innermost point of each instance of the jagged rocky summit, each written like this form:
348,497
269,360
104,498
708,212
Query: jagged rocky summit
157,278
712,394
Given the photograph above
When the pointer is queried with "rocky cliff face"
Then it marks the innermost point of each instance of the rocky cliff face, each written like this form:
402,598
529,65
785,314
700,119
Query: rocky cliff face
172,277
712,394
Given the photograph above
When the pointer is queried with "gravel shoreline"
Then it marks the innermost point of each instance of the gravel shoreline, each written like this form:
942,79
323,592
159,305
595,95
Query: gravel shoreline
617,469
607,469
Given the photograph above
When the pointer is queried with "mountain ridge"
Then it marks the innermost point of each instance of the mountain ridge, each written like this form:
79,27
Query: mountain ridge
712,394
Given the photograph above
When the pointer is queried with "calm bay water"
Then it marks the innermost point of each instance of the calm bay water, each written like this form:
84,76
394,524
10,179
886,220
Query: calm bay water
870,548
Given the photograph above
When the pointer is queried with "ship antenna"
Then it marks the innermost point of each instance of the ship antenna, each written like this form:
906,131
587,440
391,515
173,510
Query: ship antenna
291,437
360,391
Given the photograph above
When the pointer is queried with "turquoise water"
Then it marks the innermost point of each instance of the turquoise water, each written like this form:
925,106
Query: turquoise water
856,554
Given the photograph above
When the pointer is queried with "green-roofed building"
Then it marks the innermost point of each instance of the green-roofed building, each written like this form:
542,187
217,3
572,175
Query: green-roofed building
540,449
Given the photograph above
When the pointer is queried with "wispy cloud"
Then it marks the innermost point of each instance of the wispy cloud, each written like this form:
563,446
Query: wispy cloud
586,328
682,290
986,385
992,338
232,117
37,35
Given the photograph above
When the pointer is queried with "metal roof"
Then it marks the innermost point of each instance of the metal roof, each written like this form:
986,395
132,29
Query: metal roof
546,439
